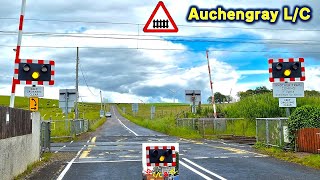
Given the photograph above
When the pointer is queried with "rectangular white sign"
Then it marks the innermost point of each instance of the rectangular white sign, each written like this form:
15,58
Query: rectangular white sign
290,89
287,102
33,91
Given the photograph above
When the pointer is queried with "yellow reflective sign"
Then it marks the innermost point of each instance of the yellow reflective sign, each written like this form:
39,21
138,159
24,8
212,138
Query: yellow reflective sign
33,104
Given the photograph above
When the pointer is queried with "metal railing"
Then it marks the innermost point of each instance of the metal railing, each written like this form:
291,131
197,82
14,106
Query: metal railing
219,126
272,131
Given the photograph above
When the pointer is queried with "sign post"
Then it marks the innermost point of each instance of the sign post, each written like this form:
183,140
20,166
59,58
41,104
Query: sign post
67,97
193,96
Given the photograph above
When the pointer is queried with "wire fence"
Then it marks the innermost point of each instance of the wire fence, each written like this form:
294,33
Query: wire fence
68,128
272,131
219,126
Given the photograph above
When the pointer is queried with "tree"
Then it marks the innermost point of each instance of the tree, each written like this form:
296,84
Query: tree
250,92
218,98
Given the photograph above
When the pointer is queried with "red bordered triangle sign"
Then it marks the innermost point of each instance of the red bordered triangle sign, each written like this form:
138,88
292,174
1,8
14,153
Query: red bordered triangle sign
160,20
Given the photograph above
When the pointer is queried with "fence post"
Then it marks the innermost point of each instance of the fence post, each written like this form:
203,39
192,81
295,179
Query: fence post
280,135
193,124
203,127
267,131
257,130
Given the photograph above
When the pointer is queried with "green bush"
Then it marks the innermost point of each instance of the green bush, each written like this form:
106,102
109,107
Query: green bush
303,117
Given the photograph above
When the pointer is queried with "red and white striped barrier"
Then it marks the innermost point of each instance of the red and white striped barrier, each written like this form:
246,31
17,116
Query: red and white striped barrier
272,79
13,89
163,148
16,72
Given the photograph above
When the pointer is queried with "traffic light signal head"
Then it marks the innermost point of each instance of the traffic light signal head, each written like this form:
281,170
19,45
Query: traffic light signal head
34,72
160,156
281,70
286,70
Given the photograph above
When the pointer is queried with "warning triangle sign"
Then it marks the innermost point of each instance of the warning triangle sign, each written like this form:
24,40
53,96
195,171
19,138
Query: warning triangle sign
160,20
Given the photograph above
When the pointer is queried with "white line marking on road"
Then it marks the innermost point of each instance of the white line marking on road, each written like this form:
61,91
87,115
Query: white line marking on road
83,162
60,149
64,172
204,169
201,158
123,124
195,171
127,128
221,157
71,142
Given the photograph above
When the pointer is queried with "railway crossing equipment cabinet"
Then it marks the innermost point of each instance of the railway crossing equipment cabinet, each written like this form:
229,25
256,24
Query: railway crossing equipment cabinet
160,161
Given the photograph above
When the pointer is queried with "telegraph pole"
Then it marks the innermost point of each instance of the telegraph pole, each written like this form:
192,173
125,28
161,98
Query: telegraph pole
101,99
77,84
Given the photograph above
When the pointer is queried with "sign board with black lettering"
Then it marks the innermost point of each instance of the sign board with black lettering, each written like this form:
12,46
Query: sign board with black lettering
33,91
289,89
287,102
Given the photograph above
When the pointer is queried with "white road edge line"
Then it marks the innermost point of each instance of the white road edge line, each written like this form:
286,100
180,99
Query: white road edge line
204,169
123,124
64,172
195,171
127,128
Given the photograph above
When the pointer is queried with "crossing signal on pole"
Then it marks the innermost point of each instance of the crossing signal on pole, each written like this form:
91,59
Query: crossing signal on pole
34,72
284,70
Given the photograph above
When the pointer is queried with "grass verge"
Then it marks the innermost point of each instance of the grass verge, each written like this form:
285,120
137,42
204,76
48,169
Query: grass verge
45,158
97,124
310,160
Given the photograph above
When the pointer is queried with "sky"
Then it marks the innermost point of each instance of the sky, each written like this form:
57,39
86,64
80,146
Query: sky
116,56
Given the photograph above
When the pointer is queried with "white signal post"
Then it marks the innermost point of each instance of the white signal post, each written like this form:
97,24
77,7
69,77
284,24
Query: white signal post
212,100
13,89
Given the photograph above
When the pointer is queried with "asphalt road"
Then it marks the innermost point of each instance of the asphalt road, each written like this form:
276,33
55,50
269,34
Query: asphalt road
114,152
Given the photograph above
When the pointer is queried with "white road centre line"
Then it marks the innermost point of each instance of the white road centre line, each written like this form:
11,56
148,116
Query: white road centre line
204,169
127,128
195,171
64,172
71,142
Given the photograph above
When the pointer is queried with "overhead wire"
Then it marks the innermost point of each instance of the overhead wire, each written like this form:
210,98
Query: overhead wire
139,24
71,34
293,42
165,49
85,80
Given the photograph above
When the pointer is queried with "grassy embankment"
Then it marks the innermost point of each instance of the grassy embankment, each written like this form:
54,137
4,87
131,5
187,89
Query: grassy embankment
49,108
